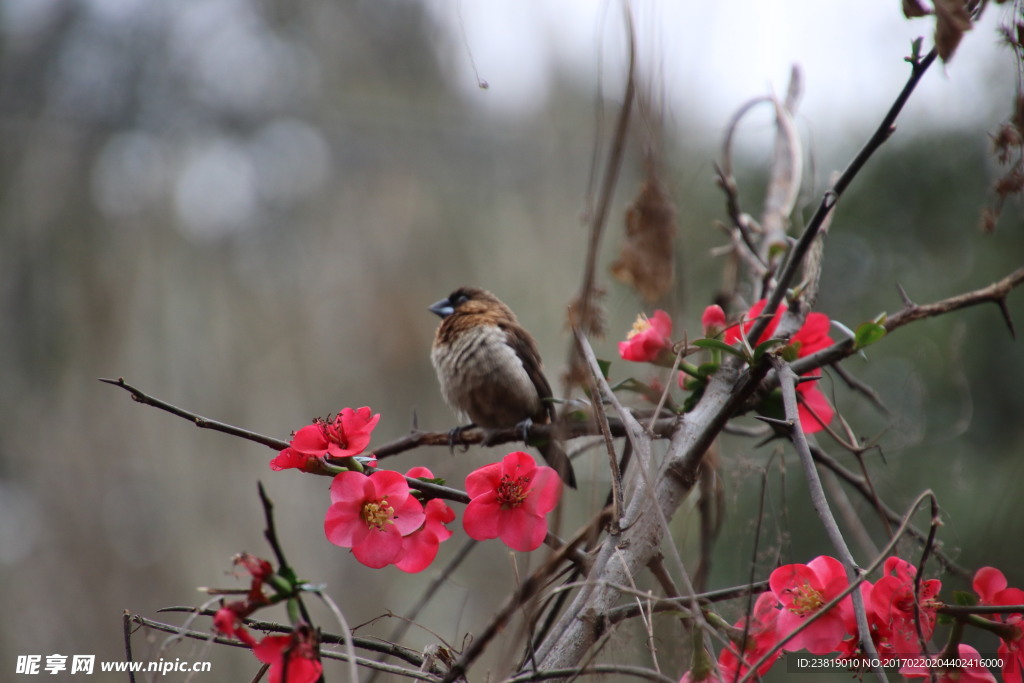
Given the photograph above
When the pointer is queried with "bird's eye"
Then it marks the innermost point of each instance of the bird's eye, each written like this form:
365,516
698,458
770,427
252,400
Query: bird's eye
460,299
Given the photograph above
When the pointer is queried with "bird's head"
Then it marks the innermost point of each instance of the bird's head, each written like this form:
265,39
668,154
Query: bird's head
471,301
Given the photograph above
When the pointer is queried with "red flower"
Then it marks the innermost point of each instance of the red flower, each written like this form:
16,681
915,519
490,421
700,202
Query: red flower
228,621
815,410
803,589
371,515
892,603
511,500
648,339
991,585
973,673
762,636
343,436
260,570
420,547
713,321
293,658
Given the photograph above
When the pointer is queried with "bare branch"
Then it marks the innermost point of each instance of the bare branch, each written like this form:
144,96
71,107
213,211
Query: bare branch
820,503
881,134
203,423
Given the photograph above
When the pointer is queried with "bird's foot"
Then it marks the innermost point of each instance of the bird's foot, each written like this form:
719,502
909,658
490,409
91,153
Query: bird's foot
524,429
455,437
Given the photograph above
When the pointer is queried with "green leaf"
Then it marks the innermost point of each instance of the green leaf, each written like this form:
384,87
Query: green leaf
766,346
440,481
719,345
639,387
706,369
605,366
965,598
867,334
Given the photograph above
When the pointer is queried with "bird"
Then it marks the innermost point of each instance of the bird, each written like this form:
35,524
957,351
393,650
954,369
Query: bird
489,369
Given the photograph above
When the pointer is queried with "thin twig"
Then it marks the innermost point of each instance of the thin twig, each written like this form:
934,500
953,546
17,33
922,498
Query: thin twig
881,134
526,591
820,503
429,593
202,422
852,588
126,628
325,654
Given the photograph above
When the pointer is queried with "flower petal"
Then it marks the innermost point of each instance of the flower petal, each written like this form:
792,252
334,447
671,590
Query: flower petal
480,520
521,530
814,409
379,547
480,481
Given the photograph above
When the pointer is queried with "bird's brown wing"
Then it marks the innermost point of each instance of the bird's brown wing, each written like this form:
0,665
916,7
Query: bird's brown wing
526,348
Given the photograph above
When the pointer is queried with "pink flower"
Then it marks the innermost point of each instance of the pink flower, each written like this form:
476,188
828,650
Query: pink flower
762,636
343,436
973,673
371,515
649,338
228,621
713,321
892,602
991,585
420,547
803,589
815,410
511,500
295,653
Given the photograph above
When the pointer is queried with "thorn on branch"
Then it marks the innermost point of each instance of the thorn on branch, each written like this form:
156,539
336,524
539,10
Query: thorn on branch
786,425
1005,310
907,301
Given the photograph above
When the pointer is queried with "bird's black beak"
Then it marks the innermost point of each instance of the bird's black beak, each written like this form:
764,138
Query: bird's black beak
442,308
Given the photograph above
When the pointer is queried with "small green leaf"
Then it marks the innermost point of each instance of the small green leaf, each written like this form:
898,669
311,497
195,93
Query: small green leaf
694,398
965,598
605,366
706,369
867,334
719,345
915,50
766,346
440,481
631,384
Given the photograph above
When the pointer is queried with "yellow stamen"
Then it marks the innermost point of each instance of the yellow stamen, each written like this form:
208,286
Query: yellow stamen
642,324
378,514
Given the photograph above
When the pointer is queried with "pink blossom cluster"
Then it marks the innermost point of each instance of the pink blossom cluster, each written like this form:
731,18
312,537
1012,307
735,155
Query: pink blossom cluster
650,341
386,521
798,613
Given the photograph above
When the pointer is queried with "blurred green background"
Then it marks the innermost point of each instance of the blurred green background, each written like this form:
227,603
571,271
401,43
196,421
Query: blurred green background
244,209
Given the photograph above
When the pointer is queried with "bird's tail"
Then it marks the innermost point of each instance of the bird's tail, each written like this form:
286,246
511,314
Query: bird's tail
559,461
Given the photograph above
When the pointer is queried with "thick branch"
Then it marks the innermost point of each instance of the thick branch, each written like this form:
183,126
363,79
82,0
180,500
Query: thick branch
586,619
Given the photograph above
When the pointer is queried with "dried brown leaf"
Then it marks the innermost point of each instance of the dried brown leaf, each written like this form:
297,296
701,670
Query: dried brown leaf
989,217
646,259
913,9
587,312
952,20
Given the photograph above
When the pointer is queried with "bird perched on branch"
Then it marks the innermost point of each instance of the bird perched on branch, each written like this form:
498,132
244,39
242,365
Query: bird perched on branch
490,370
